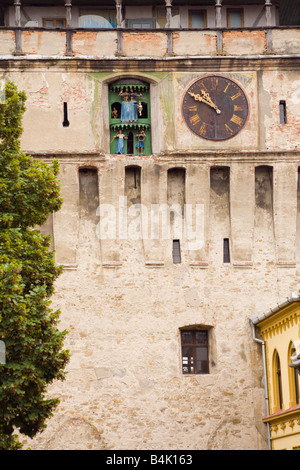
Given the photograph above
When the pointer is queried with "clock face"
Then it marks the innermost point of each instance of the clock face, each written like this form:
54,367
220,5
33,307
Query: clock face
215,108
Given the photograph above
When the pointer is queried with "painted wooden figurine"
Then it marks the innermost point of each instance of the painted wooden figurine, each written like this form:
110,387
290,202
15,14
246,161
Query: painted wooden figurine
121,141
141,142
114,113
125,106
133,109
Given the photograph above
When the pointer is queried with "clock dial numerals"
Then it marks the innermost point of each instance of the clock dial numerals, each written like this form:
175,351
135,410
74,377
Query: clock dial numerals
229,130
238,108
194,119
215,108
192,108
237,95
202,129
227,86
237,120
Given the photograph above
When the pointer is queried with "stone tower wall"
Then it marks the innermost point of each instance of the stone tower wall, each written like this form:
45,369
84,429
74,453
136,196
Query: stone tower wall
122,298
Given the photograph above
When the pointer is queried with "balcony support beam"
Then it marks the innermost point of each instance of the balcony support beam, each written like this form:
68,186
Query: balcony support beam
119,15
69,33
218,7
18,32
168,25
268,6
168,13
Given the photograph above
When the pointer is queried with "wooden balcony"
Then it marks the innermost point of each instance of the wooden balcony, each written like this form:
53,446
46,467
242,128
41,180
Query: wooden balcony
155,43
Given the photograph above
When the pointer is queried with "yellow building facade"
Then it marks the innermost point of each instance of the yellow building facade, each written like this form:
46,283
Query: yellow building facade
280,333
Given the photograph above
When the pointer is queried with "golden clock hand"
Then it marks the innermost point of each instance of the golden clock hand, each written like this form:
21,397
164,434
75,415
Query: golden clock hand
205,99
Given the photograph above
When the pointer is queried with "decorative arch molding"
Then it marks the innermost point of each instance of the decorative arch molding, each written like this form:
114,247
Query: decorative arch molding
110,79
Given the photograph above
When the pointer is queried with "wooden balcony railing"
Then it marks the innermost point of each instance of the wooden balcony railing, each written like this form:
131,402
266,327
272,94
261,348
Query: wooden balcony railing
158,43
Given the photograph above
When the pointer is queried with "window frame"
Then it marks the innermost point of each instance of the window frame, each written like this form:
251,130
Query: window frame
142,21
277,382
194,345
230,10
54,22
190,13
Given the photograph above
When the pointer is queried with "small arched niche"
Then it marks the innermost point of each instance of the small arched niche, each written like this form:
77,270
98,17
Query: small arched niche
88,192
133,184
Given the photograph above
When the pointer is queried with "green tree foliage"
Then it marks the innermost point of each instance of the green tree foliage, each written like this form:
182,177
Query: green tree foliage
29,192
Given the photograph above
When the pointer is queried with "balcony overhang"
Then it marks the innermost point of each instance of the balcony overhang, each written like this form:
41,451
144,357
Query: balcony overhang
94,3
289,10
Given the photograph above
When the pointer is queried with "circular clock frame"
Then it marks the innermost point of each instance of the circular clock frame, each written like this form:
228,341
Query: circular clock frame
215,107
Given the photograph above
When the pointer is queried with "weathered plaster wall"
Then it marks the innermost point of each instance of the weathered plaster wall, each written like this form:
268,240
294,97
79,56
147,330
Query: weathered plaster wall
282,86
125,383
86,95
90,43
47,43
185,44
244,43
7,42
46,92
134,45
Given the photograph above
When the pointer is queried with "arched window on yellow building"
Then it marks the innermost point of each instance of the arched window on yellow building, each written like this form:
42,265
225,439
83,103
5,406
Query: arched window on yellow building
293,378
277,382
